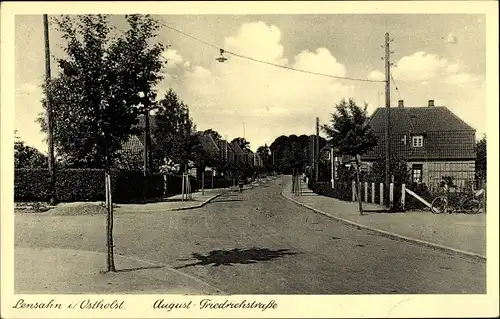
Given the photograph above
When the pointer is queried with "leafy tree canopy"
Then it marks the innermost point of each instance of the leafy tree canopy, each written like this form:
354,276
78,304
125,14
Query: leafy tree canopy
95,98
349,131
28,157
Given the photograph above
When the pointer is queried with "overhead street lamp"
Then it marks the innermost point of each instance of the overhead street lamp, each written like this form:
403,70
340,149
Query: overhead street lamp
221,58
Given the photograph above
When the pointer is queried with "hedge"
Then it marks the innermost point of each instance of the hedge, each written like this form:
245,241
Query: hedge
342,191
88,185
71,185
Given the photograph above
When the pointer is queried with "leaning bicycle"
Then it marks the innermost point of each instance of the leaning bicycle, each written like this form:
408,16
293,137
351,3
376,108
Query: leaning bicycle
457,203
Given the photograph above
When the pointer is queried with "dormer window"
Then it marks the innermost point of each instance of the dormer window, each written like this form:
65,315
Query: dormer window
418,141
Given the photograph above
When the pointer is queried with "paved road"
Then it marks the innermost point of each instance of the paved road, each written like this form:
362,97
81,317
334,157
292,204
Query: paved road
257,242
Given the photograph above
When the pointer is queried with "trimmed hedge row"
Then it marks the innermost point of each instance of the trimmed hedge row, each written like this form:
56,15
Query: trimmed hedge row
88,185
342,191
71,185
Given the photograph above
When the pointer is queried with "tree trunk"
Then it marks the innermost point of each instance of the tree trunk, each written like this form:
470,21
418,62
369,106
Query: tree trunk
203,181
110,262
358,187
165,186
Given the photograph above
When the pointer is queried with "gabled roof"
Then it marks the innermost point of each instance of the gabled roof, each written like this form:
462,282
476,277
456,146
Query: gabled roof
223,145
208,144
132,145
446,136
418,120
237,149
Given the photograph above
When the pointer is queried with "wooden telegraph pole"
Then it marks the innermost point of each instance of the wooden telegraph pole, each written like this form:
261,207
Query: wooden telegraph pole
316,152
146,144
388,109
50,124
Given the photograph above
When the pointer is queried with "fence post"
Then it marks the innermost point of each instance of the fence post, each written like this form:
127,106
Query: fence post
366,192
373,193
391,194
403,194
381,199
353,191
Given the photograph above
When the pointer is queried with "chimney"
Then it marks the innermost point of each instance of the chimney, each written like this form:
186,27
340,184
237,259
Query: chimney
401,103
431,103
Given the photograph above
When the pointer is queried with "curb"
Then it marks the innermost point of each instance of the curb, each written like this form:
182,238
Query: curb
197,206
390,235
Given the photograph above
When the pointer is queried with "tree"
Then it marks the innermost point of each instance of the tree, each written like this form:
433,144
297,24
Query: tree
174,131
96,95
293,159
481,158
27,157
351,134
398,168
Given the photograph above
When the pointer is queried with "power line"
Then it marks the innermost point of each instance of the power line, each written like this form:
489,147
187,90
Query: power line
266,62
261,61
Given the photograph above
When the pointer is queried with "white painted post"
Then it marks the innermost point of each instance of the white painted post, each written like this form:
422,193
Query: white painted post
366,192
332,167
353,191
403,194
381,199
391,194
373,193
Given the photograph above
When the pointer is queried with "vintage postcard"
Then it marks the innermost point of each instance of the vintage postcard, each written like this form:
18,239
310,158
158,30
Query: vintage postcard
249,159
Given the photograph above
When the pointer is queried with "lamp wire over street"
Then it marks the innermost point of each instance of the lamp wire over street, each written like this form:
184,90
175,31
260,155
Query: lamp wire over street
266,62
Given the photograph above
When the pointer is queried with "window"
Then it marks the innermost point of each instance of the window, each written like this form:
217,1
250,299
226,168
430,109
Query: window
418,141
416,173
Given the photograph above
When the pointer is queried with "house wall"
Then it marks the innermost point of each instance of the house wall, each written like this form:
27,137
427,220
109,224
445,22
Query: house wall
463,172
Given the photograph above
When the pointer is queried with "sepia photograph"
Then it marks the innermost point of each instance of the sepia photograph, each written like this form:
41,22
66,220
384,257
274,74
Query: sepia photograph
227,154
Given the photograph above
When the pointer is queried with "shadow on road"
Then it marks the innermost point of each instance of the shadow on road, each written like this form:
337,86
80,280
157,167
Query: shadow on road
236,256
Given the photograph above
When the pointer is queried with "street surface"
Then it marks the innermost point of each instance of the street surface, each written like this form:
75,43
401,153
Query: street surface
257,242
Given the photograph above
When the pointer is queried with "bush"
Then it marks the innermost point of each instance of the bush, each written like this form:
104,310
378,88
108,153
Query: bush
421,190
342,190
71,185
88,185
128,186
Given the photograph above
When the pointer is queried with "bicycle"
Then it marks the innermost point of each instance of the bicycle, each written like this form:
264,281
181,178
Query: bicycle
459,203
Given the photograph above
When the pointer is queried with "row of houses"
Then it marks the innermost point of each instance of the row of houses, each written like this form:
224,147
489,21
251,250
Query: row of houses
229,152
432,140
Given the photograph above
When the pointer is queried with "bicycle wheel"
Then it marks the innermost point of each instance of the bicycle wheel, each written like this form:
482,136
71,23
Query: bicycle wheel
471,206
438,205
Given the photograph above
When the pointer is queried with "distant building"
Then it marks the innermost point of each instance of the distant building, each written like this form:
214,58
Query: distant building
240,157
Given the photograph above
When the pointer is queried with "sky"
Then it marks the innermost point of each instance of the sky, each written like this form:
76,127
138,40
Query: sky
436,56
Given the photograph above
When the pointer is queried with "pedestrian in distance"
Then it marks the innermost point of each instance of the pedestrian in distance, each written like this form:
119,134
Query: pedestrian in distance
240,184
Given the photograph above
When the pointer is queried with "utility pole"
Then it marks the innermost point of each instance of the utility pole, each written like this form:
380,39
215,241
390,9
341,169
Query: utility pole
388,108
50,124
146,144
316,147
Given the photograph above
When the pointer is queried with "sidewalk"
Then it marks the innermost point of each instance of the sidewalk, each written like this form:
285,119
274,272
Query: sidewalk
53,271
460,233
173,202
